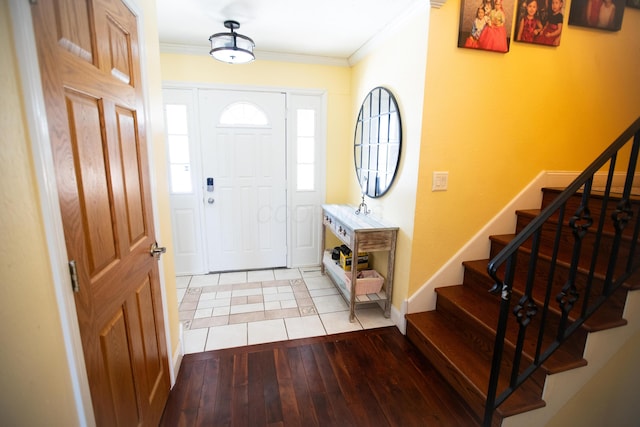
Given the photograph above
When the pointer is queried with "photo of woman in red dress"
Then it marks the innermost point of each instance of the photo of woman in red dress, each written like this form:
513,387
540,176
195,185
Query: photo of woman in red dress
494,36
491,32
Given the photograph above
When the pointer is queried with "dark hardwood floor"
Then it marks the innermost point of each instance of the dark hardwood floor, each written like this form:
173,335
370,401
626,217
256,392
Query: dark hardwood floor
374,377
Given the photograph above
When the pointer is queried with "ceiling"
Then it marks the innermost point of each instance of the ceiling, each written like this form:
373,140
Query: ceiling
329,29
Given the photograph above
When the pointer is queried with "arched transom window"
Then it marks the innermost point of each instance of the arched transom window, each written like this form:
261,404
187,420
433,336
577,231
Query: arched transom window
243,113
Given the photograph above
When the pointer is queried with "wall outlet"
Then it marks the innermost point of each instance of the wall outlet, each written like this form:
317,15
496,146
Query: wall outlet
440,181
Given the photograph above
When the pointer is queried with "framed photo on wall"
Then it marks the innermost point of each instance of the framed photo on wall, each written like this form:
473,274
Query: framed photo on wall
540,22
486,24
600,14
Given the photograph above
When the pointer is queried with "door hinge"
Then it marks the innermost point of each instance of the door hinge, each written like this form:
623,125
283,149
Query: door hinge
73,271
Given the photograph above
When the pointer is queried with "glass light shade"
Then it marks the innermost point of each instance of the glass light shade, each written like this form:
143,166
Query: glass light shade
232,48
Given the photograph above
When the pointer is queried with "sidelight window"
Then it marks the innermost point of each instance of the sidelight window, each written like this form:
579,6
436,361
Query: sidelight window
305,149
178,142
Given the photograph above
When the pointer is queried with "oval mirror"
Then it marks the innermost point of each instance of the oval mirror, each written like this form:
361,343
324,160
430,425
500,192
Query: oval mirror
377,142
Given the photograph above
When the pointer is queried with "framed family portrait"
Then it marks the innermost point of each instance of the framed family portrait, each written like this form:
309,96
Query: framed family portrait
540,22
600,14
486,24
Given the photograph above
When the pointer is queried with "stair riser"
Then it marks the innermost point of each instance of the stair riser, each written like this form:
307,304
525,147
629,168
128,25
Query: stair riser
483,338
471,396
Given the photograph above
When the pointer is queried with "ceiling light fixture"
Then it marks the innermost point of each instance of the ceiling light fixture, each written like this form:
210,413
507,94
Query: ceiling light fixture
232,48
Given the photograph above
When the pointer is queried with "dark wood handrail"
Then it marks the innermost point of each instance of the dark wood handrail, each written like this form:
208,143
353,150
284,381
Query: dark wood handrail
580,222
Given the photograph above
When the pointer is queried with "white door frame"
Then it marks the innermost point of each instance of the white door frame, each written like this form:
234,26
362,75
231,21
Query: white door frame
33,97
289,92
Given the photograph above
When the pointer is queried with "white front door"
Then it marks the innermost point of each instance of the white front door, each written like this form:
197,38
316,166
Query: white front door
243,145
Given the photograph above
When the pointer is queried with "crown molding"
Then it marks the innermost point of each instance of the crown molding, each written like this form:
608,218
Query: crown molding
304,59
387,32
183,49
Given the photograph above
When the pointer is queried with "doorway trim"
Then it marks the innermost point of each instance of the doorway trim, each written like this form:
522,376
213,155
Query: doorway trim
289,93
37,126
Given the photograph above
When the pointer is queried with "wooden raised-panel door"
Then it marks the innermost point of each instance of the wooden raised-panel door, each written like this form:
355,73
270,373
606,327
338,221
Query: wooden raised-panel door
88,54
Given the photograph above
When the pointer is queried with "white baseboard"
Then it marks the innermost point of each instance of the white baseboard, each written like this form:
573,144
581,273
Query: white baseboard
478,247
177,355
397,316
451,273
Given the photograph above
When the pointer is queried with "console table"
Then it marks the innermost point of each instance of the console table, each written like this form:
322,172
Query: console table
361,233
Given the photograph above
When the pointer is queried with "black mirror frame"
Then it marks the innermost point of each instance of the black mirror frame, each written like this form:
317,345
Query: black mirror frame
375,180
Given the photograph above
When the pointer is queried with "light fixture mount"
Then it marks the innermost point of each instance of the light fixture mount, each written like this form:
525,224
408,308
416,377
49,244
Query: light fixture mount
231,47
232,25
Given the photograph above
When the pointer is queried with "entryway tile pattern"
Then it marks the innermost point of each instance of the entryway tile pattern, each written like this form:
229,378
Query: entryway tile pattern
224,310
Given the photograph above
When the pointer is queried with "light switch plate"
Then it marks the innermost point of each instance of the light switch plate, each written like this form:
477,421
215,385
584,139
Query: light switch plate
440,181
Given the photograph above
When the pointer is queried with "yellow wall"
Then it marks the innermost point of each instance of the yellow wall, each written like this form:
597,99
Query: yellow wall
155,110
403,75
36,381
202,69
495,121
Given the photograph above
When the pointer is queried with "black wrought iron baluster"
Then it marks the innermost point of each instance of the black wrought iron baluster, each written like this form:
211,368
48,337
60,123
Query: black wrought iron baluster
524,311
633,164
526,308
598,237
550,280
506,287
622,215
580,224
635,238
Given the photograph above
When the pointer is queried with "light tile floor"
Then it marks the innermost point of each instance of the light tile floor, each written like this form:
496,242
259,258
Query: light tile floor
224,310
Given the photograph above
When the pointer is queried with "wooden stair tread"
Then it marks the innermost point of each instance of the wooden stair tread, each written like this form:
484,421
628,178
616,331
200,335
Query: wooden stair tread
563,260
504,239
564,256
601,320
485,312
608,231
472,368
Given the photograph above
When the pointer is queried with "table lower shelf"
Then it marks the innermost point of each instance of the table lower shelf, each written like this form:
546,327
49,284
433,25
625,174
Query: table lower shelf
338,276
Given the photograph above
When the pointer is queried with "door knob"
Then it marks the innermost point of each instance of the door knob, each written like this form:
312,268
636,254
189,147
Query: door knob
210,200
156,250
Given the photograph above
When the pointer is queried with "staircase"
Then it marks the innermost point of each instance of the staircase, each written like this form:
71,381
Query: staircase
459,336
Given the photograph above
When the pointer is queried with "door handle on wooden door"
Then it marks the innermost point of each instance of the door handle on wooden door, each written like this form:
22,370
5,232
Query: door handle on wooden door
156,250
